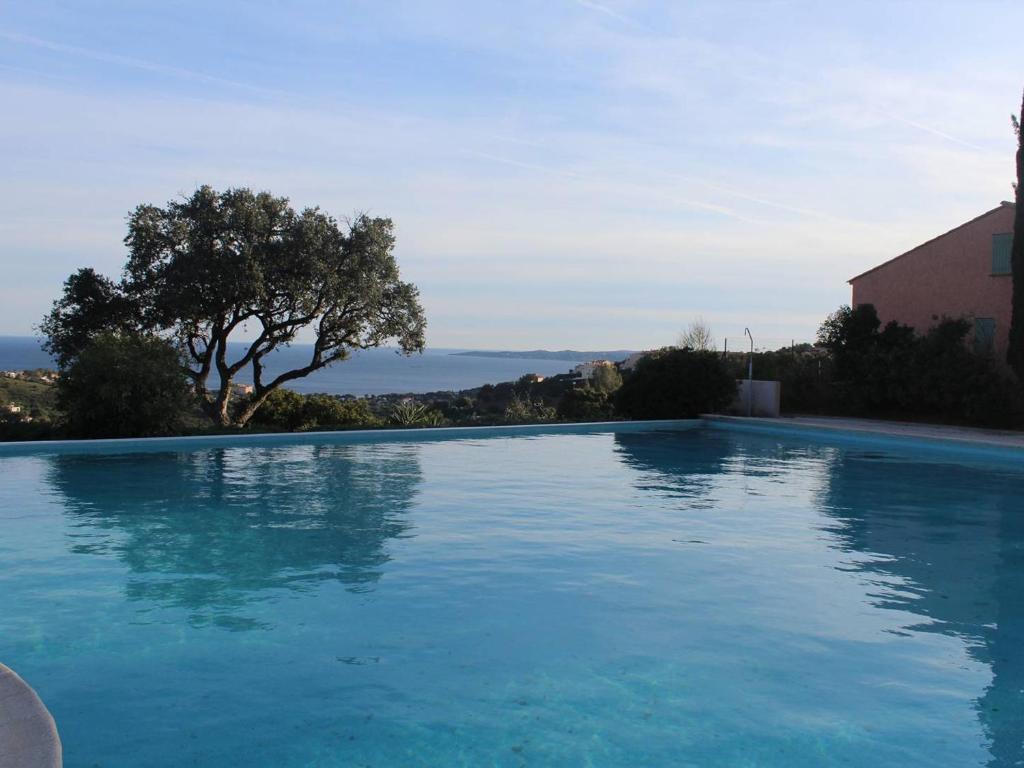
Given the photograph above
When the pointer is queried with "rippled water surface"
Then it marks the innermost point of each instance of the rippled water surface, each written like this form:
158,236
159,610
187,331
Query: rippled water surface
697,598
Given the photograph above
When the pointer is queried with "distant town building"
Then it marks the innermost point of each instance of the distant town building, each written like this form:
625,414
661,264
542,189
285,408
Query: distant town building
531,378
630,362
964,273
585,371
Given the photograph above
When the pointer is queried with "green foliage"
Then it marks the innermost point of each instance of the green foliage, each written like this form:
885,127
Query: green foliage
495,398
606,379
804,370
91,304
32,430
36,399
327,411
459,409
282,409
898,373
285,409
413,414
200,268
523,410
585,404
124,386
849,334
676,384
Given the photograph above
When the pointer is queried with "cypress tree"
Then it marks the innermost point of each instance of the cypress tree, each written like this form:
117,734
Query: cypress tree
1015,353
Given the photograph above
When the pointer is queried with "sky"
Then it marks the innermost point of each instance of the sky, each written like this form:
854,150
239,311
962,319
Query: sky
588,174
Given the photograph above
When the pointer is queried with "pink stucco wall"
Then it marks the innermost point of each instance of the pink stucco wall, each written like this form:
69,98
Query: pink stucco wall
950,276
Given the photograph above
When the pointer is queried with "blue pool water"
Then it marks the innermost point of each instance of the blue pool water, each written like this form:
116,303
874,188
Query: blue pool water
660,598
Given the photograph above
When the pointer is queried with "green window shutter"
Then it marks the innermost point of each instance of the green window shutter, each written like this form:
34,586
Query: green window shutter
1001,246
984,335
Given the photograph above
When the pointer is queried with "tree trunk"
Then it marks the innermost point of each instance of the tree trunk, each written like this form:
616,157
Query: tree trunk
222,405
251,407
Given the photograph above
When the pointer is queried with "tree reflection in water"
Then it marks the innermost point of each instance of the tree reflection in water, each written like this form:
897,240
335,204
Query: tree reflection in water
960,559
212,531
670,466
936,541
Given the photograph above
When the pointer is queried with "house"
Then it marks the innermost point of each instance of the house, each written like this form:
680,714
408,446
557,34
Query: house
585,371
964,273
630,362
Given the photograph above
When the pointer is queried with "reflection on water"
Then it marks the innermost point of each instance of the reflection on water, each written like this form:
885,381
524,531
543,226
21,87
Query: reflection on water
953,535
740,581
668,466
940,541
211,531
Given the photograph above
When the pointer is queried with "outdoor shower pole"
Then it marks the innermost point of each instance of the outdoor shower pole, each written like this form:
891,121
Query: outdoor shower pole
750,375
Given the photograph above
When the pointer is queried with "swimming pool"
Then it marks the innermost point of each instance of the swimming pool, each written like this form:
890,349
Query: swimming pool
671,597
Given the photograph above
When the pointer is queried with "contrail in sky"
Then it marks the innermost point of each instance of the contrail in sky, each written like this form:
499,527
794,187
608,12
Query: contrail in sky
128,61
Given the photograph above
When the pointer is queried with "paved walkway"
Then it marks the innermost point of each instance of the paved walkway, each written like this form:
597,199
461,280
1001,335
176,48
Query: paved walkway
28,735
965,435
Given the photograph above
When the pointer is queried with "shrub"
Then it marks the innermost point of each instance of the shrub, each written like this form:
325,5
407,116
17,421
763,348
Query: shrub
676,384
289,410
327,411
585,404
413,414
124,386
281,409
805,372
606,379
523,410
894,372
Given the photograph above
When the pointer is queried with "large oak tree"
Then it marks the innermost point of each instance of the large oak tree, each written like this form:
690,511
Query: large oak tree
201,269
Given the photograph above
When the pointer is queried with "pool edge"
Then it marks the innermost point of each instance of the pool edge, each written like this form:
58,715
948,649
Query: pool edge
336,437
930,436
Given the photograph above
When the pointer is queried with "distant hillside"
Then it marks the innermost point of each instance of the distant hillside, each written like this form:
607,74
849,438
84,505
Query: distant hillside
570,355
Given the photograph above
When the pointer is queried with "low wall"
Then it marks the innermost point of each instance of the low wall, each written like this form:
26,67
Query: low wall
757,398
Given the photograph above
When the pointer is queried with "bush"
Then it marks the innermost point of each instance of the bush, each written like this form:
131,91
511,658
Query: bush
289,410
413,414
282,409
585,404
523,410
459,409
676,384
606,378
805,372
327,411
896,373
124,386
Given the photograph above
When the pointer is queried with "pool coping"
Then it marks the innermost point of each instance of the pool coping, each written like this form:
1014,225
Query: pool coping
968,440
28,732
971,440
339,437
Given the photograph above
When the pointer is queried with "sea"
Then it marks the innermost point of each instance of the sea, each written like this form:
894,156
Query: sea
370,372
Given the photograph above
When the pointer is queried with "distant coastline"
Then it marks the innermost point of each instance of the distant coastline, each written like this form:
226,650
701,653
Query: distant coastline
614,355
371,372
